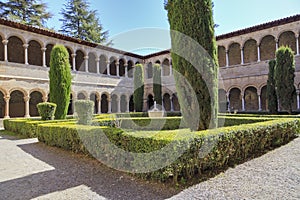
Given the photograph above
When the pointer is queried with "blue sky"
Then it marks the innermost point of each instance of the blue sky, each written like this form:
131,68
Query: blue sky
121,16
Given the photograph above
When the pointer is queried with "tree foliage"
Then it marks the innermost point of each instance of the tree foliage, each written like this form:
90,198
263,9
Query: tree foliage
60,80
157,84
194,18
29,12
81,22
271,91
138,95
284,77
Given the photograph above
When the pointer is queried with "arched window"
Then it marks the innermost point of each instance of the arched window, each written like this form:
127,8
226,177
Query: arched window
234,54
15,50
267,48
16,104
35,98
250,51
35,55
92,63
222,56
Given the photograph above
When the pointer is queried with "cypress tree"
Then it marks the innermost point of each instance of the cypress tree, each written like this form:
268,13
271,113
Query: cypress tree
284,77
271,91
157,84
29,12
194,18
60,80
138,95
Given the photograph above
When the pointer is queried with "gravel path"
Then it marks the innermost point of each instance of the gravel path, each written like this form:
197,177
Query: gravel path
32,170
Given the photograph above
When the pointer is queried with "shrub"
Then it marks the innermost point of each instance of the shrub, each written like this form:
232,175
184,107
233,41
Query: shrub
157,84
84,110
47,110
271,91
138,95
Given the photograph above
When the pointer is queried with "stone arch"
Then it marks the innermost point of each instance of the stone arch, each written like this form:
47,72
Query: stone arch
175,102
36,97
264,98
267,48
122,67
94,98
124,104
82,96
222,56
15,50
17,104
223,105
250,51
49,48
103,64
150,101
234,54
104,103
2,104
130,69
1,50
288,38
114,103
150,70
92,64
79,60
166,67
251,99
35,55
235,99
131,104
167,102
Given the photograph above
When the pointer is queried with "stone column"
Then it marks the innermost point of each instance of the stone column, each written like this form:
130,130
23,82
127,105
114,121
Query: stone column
44,56
98,65
259,102
127,104
99,105
277,44
107,68
298,99
117,69
171,70
126,72
297,44
26,99
109,104
227,58
228,100
5,42
172,106
26,53
6,99
242,56
86,63
119,104
45,99
74,62
258,53
243,103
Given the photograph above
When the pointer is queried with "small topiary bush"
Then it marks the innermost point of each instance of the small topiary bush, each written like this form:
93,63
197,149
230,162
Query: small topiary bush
84,110
47,110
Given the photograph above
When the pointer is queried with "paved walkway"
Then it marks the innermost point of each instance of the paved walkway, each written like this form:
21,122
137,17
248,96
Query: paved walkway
32,170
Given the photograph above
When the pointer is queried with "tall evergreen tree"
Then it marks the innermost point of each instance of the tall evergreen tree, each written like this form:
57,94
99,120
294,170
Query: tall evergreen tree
138,82
157,84
194,18
271,91
82,23
29,12
284,77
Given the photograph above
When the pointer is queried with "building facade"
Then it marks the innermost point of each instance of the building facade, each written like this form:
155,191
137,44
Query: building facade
105,75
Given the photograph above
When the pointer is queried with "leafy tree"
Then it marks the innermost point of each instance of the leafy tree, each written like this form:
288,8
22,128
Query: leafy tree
157,84
138,95
60,80
29,12
82,23
271,91
284,77
194,19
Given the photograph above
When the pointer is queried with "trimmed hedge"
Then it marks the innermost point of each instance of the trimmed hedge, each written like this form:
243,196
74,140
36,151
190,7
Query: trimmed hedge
84,110
46,110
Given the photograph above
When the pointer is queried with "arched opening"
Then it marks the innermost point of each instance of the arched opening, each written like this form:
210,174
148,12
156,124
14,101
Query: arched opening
250,51
16,104
267,48
103,65
222,56
93,98
113,67
235,99
35,98
288,39
2,105
71,108
35,55
92,63
81,96
121,67
114,103
131,104
166,67
175,101
234,54
130,69
1,49
15,50
123,103
167,102
157,62
79,60
251,99
49,48
150,101
263,96
104,103
150,70
223,105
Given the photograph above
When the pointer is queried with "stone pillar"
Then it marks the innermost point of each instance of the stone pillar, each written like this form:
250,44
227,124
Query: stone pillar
278,104
86,63
228,102
126,70
259,102
44,56
119,105
5,42
6,99
258,53
74,62
298,99
99,105
127,103
277,44
117,68
98,65
227,58
243,103
26,99
107,68
145,105
109,104
172,106
171,70
242,56
297,44
45,98
26,53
